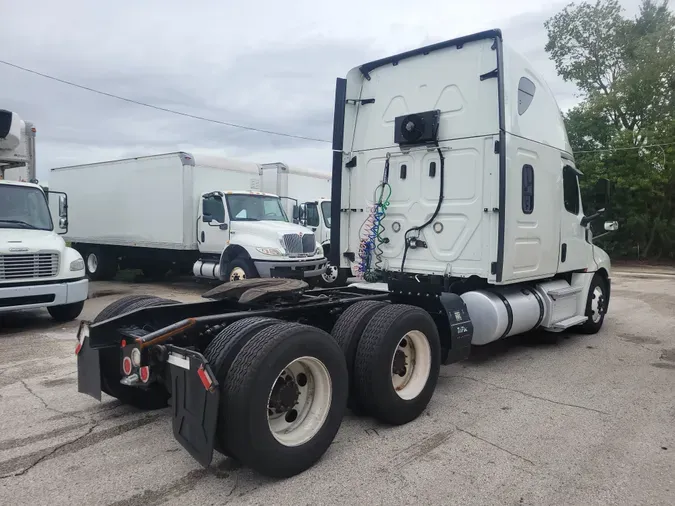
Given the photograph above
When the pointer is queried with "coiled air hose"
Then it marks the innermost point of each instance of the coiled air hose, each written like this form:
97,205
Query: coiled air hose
372,229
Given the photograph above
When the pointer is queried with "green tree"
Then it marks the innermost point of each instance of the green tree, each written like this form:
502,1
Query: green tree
625,70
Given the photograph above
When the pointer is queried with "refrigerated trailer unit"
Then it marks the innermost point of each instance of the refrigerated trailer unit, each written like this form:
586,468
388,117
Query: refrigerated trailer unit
206,215
37,269
453,184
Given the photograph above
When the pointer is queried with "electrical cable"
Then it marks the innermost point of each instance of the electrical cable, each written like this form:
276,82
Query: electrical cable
163,109
441,196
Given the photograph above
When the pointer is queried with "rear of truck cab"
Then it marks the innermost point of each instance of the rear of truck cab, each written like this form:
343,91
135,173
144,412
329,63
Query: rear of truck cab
500,136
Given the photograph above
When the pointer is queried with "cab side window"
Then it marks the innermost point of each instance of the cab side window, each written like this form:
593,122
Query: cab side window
213,207
312,215
571,190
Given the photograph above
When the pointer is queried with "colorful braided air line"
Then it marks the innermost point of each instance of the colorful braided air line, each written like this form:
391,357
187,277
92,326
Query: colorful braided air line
372,229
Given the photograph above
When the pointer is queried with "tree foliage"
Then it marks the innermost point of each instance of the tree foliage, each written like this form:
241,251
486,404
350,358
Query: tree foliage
625,70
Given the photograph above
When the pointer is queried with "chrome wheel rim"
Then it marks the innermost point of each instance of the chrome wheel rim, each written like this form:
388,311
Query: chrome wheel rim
331,274
597,304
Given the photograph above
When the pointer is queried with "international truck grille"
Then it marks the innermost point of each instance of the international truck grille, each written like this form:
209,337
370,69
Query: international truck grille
32,265
295,244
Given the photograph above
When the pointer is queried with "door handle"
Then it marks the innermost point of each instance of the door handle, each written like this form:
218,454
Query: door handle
203,237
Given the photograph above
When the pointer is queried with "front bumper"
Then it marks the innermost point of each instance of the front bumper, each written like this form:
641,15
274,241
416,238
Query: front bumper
291,269
30,296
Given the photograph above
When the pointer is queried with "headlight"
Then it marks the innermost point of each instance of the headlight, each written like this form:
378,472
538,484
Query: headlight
275,252
77,265
319,250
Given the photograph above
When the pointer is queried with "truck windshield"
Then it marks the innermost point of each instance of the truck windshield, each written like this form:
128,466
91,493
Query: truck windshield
24,207
255,208
325,209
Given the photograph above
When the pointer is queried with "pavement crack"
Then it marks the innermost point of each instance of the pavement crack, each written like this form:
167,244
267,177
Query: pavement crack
493,444
526,394
50,453
44,403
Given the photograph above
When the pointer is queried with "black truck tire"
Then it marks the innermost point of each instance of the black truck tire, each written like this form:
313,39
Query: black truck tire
119,306
241,268
221,352
596,306
334,276
347,333
258,393
100,265
154,396
66,312
397,364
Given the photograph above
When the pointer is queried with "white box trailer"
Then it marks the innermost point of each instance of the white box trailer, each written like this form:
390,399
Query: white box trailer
148,212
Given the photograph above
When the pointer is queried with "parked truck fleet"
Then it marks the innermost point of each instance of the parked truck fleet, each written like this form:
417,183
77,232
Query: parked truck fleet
217,218
454,195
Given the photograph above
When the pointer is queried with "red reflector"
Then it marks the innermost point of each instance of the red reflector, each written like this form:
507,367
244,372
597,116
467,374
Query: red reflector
78,348
145,374
204,376
126,365
123,343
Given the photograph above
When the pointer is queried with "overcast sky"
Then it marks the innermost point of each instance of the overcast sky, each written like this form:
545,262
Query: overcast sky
268,64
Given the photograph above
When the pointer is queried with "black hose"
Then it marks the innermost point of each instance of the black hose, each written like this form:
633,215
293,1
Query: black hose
433,216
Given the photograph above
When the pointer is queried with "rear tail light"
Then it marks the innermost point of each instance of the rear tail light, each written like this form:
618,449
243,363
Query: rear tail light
144,374
126,366
78,348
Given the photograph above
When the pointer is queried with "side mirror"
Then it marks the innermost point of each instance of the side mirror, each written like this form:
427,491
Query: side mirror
296,213
223,226
63,207
611,226
207,218
63,223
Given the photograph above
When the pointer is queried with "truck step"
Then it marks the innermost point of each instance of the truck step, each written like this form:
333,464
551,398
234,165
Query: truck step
569,322
558,293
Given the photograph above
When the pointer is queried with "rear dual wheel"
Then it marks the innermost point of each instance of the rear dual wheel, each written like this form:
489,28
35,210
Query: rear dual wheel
283,394
394,354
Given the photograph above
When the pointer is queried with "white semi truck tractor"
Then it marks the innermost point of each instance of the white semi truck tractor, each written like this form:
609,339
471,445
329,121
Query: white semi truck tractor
455,195
37,269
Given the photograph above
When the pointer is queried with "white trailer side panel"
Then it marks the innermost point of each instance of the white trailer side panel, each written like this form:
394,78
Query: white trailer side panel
131,202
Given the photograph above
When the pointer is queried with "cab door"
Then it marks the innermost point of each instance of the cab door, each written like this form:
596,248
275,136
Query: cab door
575,252
214,229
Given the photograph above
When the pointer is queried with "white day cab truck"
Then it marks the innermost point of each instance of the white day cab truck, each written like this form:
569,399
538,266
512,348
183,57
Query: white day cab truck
454,185
307,200
37,270
207,215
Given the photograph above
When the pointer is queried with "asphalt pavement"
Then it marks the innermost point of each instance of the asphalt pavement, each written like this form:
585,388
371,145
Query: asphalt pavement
537,420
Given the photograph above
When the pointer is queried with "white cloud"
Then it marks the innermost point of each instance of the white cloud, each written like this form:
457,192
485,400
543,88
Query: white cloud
267,64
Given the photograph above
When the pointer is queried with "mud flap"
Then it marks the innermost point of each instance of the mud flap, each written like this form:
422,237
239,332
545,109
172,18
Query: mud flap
88,366
194,402
461,327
